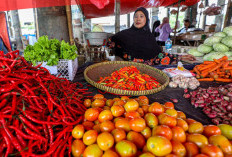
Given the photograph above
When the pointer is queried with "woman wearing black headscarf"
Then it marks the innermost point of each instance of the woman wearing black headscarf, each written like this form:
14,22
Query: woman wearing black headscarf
137,43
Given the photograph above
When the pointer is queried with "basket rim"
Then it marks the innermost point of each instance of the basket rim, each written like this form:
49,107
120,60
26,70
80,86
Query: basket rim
121,91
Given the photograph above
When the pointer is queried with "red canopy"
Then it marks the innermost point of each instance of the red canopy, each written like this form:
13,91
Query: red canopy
91,8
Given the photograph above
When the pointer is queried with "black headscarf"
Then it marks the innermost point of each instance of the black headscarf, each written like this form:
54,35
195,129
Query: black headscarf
139,43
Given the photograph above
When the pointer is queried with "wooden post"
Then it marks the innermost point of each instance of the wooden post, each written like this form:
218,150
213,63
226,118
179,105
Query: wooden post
69,19
176,21
128,20
117,16
17,29
227,14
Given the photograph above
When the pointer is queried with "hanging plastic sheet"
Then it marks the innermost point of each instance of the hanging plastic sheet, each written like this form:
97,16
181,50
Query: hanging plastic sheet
4,31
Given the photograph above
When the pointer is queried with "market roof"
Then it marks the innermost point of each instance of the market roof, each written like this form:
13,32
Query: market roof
92,8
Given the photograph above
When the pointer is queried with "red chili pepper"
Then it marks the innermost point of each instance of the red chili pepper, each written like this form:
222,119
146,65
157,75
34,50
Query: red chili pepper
50,131
7,141
28,123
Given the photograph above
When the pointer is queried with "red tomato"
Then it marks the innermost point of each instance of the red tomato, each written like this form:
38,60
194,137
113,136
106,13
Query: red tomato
212,151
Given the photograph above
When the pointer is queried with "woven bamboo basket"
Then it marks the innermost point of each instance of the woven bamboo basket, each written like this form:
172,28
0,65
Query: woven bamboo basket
103,69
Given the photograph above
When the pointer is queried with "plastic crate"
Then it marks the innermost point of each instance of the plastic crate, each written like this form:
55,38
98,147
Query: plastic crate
67,68
52,69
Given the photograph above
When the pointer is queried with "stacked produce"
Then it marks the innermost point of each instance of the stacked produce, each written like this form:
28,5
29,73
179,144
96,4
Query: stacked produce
218,70
215,101
130,78
215,47
50,51
132,127
37,109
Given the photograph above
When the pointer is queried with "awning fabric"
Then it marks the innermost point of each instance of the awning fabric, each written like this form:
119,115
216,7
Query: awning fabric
92,8
4,32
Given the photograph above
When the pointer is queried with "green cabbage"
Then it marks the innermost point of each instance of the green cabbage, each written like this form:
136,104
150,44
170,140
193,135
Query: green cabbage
227,41
228,54
214,55
220,47
212,40
220,34
204,48
228,30
195,53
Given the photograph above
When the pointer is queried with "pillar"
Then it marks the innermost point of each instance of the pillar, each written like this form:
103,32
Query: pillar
17,29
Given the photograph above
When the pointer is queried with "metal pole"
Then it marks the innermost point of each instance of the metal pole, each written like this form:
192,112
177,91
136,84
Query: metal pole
128,20
117,16
17,29
176,21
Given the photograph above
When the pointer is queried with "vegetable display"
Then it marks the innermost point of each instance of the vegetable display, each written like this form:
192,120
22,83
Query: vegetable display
123,126
37,109
184,82
216,46
217,70
216,102
49,51
130,78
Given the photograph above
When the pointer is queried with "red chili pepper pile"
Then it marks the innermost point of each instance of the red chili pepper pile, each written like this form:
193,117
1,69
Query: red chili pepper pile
130,78
37,109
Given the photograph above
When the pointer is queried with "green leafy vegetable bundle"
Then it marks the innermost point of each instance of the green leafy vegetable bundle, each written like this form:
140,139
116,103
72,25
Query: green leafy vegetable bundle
49,51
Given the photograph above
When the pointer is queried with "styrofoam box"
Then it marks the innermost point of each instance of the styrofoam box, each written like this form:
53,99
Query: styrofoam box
65,68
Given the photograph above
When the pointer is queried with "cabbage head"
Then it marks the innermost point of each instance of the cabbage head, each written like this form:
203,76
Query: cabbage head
214,55
228,54
195,53
219,47
228,30
204,48
220,34
212,40
227,41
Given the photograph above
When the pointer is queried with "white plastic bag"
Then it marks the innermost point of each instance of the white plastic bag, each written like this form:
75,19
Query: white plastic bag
180,70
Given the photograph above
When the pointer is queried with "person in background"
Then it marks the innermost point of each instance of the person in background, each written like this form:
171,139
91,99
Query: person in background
155,25
187,25
137,43
164,29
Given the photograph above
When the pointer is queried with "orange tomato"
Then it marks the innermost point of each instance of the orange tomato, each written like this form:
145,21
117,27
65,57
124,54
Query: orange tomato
145,149
195,127
198,139
191,149
90,137
87,103
201,155
190,121
88,125
222,142
93,150
106,108
178,134
110,153
212,151
140,111
119,102
159,145
210,130
97,128
146,132
151,120
182,123
156,108
107,126
105,115
98,96
105,141
131,105
125,98
143,100
119,135
98,103
78,131
137,124
169,105
145,108
78,148
123,123
181,115
91,114
147,154
165,119
171,112
171,155
126,148
136,138
162,130
132,115
117,110
178,148
116,99
118,118
109,102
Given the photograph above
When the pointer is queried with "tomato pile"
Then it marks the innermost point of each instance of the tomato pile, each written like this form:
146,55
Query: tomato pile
130,78
134,127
